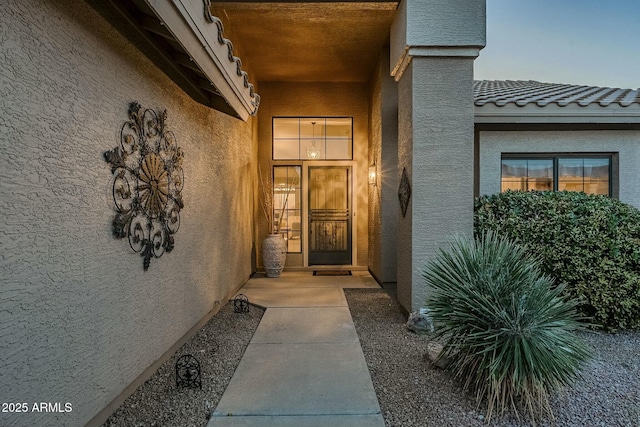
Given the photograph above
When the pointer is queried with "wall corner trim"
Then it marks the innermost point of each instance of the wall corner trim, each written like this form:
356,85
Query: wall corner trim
431,51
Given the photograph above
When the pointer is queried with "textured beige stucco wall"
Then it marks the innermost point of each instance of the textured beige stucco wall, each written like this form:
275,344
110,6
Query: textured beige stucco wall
383,151
405,161
436,146
626,143
375,192
318,100
437,24
79,318
433,45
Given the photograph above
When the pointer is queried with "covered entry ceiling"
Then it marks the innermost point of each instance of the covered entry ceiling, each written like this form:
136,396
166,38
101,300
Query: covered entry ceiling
306,42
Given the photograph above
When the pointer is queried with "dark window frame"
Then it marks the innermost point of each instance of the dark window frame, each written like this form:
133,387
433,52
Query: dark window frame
613,157
300,157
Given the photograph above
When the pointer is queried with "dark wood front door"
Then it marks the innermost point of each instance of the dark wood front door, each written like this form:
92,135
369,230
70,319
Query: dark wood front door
330,215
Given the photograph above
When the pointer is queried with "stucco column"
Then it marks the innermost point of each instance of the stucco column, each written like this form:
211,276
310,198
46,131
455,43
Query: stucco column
433,46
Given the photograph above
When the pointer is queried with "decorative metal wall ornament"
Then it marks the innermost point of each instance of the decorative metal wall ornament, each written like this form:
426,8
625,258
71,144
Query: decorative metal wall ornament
188,372
241,304
147,184
404,192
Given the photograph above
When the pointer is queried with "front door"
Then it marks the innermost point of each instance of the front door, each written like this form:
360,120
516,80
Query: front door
330,215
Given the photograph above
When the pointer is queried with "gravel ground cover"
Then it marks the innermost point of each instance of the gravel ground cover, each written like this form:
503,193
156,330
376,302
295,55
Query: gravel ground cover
412,392
218,346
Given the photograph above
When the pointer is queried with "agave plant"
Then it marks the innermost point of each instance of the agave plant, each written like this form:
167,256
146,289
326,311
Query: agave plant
507,331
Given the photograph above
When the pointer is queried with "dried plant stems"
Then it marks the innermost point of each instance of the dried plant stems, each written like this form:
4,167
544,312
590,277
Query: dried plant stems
266,197
267,202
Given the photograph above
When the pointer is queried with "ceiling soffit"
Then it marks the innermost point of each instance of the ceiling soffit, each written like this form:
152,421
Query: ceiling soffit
311,41
188,44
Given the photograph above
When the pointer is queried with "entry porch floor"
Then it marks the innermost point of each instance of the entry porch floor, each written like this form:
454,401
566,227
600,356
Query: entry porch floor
304,366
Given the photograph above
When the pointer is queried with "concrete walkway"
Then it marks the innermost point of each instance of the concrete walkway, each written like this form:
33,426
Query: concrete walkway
304,366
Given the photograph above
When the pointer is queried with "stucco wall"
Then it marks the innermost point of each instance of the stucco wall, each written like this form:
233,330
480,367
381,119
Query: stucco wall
375,192
383,151
80,319
626,143
435,143
313,100
433,45
437,26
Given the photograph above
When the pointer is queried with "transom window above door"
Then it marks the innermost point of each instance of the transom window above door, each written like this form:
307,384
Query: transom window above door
591,174
312,138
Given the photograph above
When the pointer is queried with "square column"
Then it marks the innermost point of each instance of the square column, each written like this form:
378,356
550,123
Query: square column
433,46
435,146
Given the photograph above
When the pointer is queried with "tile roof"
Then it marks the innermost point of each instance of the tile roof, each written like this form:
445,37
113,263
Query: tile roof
522,93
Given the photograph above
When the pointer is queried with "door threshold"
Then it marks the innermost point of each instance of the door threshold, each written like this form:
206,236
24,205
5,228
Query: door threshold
332,272
313,268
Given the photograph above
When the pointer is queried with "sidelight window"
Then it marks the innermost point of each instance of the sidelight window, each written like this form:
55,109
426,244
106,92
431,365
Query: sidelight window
287,208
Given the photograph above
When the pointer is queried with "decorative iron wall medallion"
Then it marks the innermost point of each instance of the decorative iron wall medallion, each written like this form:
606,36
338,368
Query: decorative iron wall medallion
147,183
404,192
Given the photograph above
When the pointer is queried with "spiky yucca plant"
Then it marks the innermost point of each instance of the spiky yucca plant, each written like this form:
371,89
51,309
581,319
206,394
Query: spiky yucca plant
507,330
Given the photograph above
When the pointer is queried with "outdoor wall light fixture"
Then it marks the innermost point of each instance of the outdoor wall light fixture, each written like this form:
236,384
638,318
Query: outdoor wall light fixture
313,152
373,174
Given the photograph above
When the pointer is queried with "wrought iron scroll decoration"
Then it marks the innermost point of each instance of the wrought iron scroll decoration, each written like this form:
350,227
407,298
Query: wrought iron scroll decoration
404,192
241,304
147,183
188,372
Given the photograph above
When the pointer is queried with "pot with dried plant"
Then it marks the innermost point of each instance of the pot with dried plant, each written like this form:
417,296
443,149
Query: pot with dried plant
274,247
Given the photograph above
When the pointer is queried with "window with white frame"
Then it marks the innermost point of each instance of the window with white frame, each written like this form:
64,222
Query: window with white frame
287,205
591,174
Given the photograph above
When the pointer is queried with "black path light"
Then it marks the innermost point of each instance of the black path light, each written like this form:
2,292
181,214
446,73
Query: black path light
241,304
188,372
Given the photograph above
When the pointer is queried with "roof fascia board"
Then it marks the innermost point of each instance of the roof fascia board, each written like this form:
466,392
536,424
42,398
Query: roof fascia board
213,54
556,114
542,127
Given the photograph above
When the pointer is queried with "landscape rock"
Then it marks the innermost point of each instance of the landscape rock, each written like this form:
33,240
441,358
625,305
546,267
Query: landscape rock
420,322
433,352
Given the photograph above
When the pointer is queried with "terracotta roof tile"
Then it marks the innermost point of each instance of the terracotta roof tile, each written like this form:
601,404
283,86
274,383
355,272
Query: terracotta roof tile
522,93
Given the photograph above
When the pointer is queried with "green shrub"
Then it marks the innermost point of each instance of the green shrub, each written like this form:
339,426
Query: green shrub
507,330
589,243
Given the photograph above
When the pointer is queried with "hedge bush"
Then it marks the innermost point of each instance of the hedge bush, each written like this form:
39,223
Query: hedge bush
589,243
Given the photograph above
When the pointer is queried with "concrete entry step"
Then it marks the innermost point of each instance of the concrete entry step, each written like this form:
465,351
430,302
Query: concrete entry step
358,279
300,421
300,297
